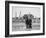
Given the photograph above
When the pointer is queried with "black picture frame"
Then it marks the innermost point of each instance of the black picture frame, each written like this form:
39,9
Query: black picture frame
7,18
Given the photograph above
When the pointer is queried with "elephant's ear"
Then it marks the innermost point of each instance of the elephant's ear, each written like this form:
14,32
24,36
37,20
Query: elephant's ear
31,16
25,16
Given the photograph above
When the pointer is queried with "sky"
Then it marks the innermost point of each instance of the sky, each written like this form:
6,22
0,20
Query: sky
35,11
